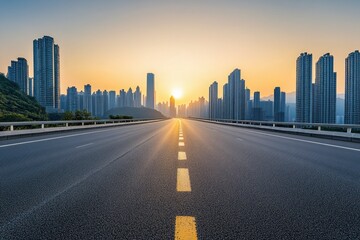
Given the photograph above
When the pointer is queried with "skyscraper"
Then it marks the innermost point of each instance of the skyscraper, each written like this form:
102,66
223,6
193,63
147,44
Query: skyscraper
99,104
47,73
172,107
72,99
226,100
105,101
283,105
137,97
18,72
213,100
279,105
112,99
352,88
325,81
257,111
129,98
248,104
150,91
87,98
303,87
236,95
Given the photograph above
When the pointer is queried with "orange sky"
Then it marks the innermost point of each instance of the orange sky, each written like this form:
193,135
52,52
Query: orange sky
186,45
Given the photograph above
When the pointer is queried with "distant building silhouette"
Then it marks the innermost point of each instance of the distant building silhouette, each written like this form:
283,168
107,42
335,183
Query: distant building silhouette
105,101
112,99
72,99
150,91
47,73
236,95
87,98
257,112
213,101
303,87
172,107
279,105
137,97
352,88
129,98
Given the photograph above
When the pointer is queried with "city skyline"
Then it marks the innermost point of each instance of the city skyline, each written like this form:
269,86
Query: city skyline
184,50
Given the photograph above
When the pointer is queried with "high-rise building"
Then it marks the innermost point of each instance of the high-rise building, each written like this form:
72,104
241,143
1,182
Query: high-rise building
303,88
248,104
47,73
80,96
112,99
226,102
99,104
137,97
279,105
105,101
87,98
150,91
325,81
283,104
236,95
122,98
172,107
18,72
213,100
352,88
257,112
72,99
129,98
267,109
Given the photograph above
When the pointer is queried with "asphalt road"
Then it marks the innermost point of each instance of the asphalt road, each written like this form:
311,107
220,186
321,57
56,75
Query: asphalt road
132,183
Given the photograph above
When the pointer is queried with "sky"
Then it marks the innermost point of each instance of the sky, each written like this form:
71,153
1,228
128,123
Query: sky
112,44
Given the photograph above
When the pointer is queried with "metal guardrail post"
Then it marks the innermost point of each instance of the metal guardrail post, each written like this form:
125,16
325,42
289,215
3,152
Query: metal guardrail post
82,124
43,126
66,124
11,127
319,128
294,126
273,124
348,130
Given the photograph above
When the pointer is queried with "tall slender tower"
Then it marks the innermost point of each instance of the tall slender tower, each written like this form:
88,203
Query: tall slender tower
325,82
213,100
303,88
47,73
87,98
236,95
352,88
150,91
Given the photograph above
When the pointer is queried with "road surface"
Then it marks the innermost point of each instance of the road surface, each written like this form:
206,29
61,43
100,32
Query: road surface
179,179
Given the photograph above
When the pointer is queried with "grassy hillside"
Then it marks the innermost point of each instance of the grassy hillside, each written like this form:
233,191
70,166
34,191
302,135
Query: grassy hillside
16,105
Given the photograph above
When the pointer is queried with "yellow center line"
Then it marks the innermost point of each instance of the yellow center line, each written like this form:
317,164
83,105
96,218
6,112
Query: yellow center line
185,228
181,144
182,156
181,139
183,180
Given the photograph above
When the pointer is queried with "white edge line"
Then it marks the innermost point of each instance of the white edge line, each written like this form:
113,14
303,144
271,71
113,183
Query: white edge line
85,145
53,138
306,141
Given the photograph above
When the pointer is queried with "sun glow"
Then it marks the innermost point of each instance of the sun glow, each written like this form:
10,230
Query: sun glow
177,93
